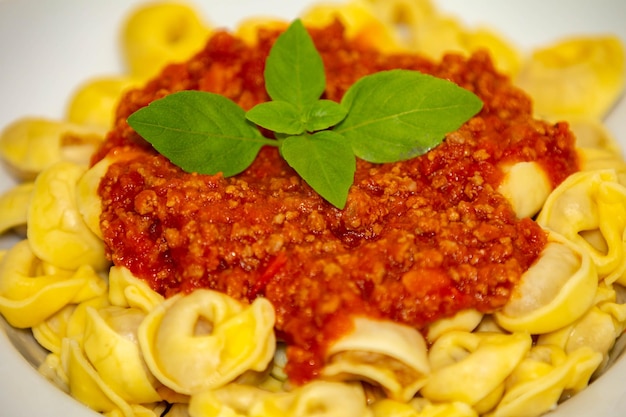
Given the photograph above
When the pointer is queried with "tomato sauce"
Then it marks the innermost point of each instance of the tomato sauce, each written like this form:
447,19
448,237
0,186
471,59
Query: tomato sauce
418,240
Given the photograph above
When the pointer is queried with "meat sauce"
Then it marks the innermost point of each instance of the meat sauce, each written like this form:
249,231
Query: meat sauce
418,240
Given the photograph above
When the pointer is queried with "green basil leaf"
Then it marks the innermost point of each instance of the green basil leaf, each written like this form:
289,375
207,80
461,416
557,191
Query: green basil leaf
324,114
278,116
399,114
294,71
200,132
325,161
384,117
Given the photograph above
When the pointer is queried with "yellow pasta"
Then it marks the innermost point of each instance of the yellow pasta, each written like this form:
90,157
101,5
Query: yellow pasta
593,159
526,186
324,398
539,305
51,332
598,329
28,295
85,383
384,353
111,346
57,231
597,148
30,145
94,350
592,134
404,14
467,320
588,209
52,369
126,290
137,410
506,55
359,20
247,29
233,400
88,201
206,339
160,33
14,205
420,26
472,367
94,103
576,76
417,408
126,351
542,378
77,320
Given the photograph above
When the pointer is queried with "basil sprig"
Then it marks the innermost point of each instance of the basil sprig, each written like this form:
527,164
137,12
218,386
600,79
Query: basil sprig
388,116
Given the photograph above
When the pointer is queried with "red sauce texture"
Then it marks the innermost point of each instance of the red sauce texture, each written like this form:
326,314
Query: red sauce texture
418,240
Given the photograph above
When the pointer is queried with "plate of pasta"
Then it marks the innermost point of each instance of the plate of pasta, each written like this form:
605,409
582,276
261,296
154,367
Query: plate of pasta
479,270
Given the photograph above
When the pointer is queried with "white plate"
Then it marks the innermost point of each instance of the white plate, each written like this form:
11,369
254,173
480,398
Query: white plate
47,47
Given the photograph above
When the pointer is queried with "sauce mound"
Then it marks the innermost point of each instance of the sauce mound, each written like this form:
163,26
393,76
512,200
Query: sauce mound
418,240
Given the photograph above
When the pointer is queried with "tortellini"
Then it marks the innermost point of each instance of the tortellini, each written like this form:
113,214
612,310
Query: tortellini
68,322
86,385
14,205
572,77
159,34
30,145
589,208
421,27
95,352
94,103
50,332
591,133
597,159
466,320
31,291
575,76
545,374
420,407
318,398
485,359
126,290
206,339
232,400
110,344
360,21
247,28
57,231
526,186
598,329
539,305
381,352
